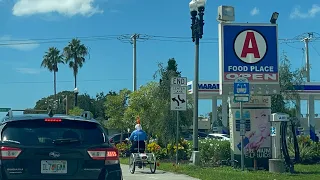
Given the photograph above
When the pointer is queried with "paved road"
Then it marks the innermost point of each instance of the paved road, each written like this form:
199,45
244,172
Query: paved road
146,175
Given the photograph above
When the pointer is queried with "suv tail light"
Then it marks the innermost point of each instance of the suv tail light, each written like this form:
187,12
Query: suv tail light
109,155
9,152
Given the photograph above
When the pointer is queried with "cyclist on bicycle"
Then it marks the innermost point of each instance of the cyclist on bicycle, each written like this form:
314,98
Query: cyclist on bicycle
138,138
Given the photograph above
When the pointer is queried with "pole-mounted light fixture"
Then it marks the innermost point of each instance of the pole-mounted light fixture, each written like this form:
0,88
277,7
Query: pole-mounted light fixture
76,92
197,9
274,18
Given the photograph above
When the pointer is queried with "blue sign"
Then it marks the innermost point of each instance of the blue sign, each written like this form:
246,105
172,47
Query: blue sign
250,51
241,87
208,86
273,131
241,90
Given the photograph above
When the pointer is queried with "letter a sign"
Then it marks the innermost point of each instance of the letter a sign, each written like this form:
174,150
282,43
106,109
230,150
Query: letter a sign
250,46
249,51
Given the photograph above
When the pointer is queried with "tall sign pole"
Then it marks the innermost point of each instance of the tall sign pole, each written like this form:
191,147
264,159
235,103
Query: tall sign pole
178,101
241,91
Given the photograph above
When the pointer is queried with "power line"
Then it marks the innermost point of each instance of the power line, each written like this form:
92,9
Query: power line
315,49
29,42
125,38
63,38
71,81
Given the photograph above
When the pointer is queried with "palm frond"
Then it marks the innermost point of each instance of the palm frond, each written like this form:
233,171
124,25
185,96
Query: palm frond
75,54
51,59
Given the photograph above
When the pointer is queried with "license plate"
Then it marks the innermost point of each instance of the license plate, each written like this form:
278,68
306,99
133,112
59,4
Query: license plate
53,167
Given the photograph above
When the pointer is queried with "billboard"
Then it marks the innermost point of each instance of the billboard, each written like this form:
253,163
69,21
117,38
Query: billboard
250,51
256,114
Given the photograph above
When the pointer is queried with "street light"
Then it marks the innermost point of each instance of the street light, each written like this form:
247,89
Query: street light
274,18
65,100
197,11
76,91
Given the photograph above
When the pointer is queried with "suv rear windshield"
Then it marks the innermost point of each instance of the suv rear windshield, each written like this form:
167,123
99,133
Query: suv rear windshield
41,133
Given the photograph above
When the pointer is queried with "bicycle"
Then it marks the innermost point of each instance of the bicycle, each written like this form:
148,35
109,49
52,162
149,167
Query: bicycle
142,160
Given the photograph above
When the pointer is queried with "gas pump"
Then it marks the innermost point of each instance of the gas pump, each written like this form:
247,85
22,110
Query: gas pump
280,160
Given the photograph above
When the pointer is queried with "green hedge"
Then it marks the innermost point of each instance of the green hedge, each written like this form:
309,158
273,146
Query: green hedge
212,152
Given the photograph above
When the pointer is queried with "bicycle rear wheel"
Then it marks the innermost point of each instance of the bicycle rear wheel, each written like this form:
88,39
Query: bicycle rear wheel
132,164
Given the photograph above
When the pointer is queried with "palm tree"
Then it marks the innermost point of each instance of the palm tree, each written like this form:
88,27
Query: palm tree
51,59
75,54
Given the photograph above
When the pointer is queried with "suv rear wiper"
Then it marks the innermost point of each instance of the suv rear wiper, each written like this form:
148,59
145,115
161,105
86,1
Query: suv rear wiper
65,141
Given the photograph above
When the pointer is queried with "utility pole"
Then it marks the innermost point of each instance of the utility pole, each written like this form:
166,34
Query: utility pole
134,43
306,42
310,104
132,39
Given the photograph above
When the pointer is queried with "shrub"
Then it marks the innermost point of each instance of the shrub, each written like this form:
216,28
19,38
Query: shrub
123,149
212,152
155,148
309,150
183,150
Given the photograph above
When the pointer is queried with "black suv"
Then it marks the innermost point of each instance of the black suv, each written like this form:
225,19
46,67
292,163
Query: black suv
37,146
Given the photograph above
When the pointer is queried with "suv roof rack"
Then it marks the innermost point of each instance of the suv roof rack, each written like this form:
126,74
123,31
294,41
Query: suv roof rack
85,114
10,112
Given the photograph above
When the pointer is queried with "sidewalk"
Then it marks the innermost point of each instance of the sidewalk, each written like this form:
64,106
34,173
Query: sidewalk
145,174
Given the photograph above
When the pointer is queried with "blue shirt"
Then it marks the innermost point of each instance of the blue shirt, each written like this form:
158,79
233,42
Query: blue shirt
138,135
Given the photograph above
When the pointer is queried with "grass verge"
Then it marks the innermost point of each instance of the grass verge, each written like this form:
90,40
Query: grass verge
304,172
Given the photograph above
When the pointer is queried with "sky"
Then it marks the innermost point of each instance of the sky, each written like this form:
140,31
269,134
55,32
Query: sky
29,27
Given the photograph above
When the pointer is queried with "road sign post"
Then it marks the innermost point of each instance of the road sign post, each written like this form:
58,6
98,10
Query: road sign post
178,101
241,91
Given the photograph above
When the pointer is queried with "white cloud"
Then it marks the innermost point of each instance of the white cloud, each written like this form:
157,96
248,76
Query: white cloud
254,11
28,70
64,7
25,45
312,12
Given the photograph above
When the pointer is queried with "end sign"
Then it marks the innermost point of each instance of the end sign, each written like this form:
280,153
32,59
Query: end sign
179,94
179,81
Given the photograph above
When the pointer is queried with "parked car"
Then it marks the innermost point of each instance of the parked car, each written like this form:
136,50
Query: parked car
36,146
223,137
202,135
188,135
115,138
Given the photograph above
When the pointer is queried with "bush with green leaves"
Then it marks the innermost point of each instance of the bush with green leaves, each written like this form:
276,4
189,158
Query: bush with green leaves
212,151
309,150
157,150
183,150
